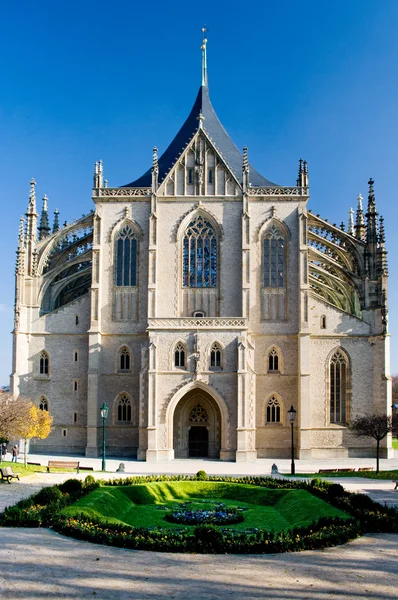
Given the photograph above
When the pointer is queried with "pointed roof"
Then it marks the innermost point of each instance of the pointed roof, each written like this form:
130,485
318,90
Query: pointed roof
214,129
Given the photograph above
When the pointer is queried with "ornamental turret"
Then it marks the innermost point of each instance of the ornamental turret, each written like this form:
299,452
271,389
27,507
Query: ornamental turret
56,221
20,262
31,228
44,227
245,170
360,221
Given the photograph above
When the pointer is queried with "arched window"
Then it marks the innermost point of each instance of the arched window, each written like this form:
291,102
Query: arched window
323,322
338,387
200,255
198,414
43,404
273,361
179,355
124,360
274,259
273,413
124,410
126,257
215,356
44,363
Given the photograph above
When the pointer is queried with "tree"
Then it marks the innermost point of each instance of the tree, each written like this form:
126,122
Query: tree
395,388
376,426
19,417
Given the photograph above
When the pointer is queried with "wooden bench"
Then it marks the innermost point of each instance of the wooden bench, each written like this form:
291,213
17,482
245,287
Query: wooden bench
327,471
365,468
63,464
8,474
86,468
346,470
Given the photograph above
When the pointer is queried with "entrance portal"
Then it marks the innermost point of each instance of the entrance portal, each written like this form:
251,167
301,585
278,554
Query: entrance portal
197,426
198,442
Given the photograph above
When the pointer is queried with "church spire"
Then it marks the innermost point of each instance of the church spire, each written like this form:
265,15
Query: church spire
360,221
56,221
204,58
351,221
44,227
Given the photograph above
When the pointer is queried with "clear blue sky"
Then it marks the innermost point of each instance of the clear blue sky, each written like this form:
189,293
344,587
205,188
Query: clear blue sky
87,80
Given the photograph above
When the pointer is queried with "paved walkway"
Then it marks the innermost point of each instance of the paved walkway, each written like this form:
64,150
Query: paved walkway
58,567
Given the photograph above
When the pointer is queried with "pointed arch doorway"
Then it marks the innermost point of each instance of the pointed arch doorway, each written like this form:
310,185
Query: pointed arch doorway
197,426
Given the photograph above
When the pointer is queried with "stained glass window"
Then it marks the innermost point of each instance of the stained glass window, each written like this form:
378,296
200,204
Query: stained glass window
215,356
273,361
126,258
338,388
179,356
43,404
274,259
125,360
44,363
198,415
273,410
200,255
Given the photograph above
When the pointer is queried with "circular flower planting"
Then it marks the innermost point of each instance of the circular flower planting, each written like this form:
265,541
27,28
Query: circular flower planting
215,515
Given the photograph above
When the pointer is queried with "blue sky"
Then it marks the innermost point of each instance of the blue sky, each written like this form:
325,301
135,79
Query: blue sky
87,80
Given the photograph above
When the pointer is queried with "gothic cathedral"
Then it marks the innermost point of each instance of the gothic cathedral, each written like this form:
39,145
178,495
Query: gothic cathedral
203,304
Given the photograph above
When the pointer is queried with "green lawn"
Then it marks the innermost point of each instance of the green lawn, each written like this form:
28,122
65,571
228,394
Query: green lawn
138,505
395,443
29,469
368,474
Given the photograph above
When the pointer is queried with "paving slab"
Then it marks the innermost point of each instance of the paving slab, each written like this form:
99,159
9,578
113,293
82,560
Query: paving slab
37,564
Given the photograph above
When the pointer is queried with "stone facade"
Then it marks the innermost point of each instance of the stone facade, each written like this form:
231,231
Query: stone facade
199,343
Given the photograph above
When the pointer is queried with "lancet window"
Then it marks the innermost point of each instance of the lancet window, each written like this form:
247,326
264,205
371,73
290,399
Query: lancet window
215,356
126,257
273,361
274,258
273,412
124,410
200,249
44,363
338,387
179,355
124,360
43,404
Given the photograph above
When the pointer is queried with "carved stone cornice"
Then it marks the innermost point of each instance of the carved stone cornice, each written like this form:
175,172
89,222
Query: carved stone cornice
277,191
121,192
198,323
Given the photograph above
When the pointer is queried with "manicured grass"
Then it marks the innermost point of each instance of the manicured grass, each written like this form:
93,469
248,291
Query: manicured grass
29,469
366,474
395,443
138,505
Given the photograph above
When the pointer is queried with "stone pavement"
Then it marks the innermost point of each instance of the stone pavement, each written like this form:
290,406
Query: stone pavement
37,564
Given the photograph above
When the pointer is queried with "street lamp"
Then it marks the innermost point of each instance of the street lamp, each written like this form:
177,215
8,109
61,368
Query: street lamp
104,413
292,416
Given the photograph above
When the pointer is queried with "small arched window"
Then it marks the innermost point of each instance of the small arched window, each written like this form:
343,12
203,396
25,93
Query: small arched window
210,178
44,363
199,255
274,258
126,257
124,360
179,355
273,412
338,387
273,361
323,322
215,356
124,410
43,404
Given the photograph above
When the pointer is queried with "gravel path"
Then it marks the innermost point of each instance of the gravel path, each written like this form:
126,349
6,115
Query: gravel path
58,567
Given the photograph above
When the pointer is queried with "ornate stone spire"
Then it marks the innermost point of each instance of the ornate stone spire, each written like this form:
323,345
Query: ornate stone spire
382,265
305,169
98,174
300,174
155,169
44,227
56,221
371,216
245,169
382,235
360,220
204,58
20,262
95,178
351,229
31,227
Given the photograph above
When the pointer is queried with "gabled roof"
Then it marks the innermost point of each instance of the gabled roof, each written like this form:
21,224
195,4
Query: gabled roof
218,135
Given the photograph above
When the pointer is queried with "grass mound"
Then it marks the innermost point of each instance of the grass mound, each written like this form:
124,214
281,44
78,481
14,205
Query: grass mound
145,505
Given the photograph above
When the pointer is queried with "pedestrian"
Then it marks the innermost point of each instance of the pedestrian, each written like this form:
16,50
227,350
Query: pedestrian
4,450
15,452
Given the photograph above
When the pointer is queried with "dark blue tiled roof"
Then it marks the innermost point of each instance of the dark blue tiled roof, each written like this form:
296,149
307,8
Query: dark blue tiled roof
218,135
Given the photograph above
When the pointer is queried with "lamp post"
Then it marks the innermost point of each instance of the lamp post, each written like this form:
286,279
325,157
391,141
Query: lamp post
292,416
104,413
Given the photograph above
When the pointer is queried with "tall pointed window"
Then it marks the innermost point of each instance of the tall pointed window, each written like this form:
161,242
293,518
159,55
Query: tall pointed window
124,360
179,355
126,257
43,404
338,387
215,356
124,411
44,363
273,259
273,413
273,361
200,255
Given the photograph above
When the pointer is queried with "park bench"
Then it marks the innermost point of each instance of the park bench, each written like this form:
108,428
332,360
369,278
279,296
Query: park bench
327,471
8,474
365,468
346,470
63,464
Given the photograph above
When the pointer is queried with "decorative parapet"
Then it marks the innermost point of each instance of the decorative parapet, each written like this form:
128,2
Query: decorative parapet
198,323
121,192
277,191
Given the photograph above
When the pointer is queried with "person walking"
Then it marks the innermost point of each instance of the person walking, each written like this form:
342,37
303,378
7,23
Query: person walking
4,450
15,452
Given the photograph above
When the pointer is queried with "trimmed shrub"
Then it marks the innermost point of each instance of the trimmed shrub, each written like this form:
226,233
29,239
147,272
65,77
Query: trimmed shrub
49,495
71,486
201,476
361,502
335,490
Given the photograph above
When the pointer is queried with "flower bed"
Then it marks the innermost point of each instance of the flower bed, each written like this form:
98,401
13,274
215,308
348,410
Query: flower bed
218,515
